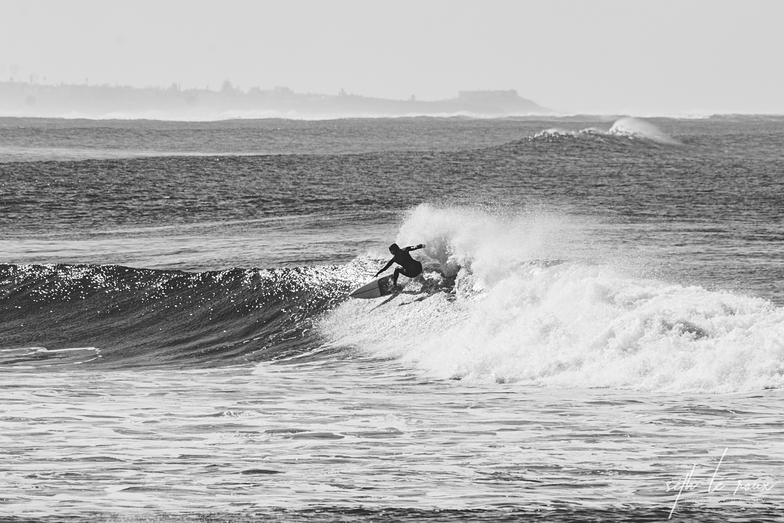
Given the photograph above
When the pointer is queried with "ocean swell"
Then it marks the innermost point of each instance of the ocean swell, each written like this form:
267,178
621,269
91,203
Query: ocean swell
132,317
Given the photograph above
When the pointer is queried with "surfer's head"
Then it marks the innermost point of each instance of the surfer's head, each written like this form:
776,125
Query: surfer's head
394,248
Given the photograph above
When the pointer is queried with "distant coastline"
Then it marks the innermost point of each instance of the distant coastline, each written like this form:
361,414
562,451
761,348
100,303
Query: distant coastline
25,99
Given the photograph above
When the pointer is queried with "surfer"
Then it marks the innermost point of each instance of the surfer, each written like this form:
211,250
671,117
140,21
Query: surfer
408,265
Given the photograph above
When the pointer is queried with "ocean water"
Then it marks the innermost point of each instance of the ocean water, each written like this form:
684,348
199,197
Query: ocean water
598,334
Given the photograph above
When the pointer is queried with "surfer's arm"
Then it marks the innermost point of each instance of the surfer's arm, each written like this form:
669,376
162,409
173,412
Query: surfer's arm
415,248
387,266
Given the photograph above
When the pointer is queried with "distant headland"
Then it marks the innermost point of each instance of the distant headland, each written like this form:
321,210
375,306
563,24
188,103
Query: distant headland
106,101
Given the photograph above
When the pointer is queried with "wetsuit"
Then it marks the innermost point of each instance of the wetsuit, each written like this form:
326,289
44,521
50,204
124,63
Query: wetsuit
408,265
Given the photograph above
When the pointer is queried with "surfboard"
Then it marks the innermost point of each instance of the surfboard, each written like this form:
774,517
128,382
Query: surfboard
374,289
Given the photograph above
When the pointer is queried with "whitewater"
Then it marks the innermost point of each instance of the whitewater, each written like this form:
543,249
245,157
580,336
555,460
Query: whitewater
598,333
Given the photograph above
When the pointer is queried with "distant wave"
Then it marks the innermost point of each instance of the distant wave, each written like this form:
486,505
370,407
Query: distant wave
522,309
623,129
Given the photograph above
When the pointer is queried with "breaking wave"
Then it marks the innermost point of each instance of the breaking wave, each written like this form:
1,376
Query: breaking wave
504,300
622,130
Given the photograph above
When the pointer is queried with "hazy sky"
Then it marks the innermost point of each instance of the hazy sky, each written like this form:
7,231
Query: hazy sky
631,56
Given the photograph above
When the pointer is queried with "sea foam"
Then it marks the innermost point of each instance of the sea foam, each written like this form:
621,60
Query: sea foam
522,309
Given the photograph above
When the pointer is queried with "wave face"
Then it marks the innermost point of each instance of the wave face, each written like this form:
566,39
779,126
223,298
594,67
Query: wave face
120,316
519,312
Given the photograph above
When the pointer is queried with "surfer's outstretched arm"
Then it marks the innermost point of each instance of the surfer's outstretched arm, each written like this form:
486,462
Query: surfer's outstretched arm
415,248
387,266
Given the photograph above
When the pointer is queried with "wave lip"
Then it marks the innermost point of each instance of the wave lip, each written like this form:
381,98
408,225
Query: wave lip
637,128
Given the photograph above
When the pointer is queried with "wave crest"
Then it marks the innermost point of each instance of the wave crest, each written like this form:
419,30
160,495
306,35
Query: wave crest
622,131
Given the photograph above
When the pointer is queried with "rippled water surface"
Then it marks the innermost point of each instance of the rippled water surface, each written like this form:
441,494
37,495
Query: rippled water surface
362,434
597,335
